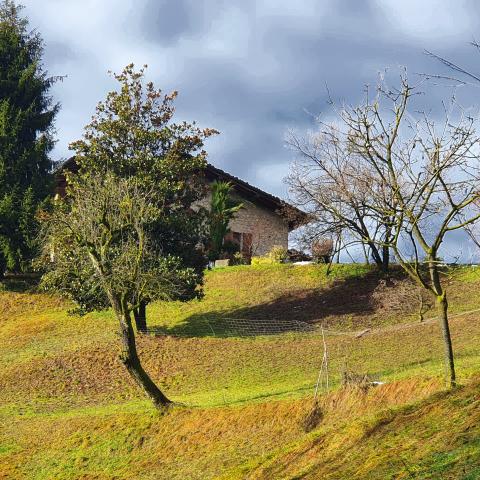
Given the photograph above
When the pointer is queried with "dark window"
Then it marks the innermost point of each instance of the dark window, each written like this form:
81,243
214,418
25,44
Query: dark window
247,244
237,239
242,240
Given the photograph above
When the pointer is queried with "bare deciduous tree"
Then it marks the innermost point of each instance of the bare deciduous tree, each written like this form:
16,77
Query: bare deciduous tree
469,78
412,179
325,181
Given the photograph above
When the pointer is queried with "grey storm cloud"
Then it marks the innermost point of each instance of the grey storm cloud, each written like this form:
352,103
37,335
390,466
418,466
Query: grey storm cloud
166,22
251,69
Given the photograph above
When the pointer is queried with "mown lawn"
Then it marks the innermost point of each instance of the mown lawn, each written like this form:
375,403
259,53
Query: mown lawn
67,409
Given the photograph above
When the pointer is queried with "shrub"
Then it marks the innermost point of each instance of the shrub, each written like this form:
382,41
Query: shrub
261,261
298,256
278,254
239,259
322,250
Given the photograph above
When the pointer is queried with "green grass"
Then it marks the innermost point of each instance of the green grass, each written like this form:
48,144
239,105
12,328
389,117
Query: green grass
435,438
68,410
231,291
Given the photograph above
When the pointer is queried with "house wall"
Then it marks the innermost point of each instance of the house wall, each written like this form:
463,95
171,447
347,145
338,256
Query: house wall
267,227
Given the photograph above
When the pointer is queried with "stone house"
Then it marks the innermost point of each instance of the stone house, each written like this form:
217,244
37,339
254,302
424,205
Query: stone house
263,222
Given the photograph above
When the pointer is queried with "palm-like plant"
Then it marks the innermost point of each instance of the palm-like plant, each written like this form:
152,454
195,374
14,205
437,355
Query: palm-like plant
222,209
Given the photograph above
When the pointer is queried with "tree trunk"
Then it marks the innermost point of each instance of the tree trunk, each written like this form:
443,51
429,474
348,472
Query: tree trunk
365,254
385,247
3,266
385,258
132,363
140,316
380,260
442,304
129,354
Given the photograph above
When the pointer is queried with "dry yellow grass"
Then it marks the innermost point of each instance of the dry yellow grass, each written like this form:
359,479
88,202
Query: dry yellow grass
133,441
437,438
68,410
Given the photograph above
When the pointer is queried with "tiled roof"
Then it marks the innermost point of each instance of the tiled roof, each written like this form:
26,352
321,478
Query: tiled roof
244,189
255,194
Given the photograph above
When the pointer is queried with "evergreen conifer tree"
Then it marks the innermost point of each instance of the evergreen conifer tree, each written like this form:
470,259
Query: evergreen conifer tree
26,127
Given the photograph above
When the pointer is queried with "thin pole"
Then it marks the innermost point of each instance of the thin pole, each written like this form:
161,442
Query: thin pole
325,356
322,366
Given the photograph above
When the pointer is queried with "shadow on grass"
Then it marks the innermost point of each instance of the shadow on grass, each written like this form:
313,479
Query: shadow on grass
297,311
19,283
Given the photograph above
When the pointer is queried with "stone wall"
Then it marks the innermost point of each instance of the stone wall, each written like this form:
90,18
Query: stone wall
267,227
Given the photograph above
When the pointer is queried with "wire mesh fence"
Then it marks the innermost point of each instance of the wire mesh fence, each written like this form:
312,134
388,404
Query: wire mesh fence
244,359
238,327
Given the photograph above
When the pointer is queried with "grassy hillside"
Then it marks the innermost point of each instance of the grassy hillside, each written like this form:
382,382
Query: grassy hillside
68,410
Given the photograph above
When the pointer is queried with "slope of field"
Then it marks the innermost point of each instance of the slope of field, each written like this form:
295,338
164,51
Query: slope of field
68,411
437,438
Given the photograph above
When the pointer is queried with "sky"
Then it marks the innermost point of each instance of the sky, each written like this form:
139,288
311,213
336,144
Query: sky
251,69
